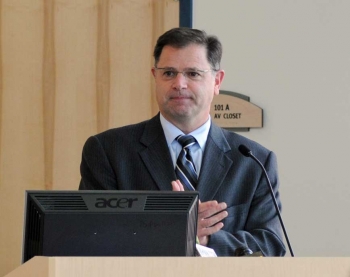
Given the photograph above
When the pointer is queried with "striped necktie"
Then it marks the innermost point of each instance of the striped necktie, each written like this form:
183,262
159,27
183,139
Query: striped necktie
185,169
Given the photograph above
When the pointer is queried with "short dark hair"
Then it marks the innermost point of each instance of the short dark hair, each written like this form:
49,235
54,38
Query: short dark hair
182,37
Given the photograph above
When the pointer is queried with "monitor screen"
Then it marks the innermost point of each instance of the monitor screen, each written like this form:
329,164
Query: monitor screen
110,223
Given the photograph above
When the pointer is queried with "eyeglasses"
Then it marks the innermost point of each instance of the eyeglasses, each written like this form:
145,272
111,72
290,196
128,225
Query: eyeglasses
168,73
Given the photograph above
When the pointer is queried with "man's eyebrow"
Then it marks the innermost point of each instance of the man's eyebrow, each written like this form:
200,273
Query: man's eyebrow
167,68
185,69
191,69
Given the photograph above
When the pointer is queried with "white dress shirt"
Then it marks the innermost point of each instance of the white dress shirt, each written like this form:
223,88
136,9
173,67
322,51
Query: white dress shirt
197,150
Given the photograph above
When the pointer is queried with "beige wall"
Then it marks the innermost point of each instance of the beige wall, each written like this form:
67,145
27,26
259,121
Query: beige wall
292,58
68,69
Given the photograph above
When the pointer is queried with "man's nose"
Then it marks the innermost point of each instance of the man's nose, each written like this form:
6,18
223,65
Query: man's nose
180,81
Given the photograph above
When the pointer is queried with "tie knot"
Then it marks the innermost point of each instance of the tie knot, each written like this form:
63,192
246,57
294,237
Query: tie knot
186,141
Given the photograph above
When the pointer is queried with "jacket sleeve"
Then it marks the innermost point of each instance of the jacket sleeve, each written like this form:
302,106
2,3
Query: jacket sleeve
95,169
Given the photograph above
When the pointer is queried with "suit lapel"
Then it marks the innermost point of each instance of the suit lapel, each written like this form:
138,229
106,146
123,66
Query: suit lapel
157,159
156,156
215,164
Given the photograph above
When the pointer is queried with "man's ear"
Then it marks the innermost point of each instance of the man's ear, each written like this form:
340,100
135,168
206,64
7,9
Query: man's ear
219,77
153,72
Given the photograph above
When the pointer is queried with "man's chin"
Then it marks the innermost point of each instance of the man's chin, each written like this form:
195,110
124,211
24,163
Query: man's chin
178,116
183,114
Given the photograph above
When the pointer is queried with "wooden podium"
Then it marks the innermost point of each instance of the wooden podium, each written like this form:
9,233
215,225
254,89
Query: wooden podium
183,266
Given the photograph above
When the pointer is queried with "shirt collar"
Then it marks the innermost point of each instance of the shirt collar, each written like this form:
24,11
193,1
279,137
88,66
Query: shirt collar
171,132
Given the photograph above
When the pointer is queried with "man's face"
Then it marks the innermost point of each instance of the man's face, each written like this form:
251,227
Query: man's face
186,100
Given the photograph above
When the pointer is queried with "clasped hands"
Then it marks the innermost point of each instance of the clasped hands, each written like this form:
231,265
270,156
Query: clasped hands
210,215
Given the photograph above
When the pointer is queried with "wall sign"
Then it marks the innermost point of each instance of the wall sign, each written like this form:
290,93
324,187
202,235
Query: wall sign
234,111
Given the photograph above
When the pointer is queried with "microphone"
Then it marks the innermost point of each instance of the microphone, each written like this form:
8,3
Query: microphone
248,153
246,252
243,251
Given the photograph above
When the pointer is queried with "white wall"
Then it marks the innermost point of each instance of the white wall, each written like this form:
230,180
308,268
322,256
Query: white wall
293,59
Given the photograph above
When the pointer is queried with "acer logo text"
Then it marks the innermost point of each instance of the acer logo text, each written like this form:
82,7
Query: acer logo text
121,203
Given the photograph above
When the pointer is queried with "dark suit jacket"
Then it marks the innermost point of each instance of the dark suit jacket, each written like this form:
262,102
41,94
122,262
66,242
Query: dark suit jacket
136,157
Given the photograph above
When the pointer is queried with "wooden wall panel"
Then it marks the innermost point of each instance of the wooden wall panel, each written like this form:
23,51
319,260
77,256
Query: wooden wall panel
68,69
48,90
130,69
22,153
103,67
75,40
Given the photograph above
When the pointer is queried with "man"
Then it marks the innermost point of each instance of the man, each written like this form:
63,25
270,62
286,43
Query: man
236,209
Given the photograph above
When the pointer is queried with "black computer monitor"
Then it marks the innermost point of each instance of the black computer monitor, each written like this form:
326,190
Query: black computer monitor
110,223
